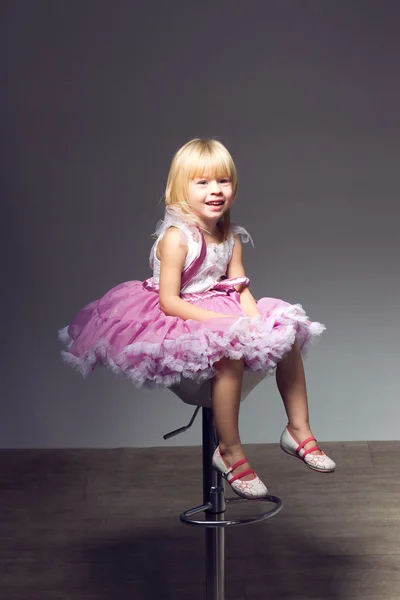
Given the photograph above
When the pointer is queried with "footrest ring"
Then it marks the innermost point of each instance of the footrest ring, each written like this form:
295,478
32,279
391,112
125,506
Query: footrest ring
185,516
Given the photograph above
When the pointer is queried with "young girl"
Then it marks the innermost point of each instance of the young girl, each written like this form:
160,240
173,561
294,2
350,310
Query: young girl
196,318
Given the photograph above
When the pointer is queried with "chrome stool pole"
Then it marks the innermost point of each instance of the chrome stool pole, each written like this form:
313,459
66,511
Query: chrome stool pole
214,494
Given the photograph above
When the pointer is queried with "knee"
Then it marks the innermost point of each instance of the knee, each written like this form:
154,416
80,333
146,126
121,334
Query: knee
296,347
228,365
293,353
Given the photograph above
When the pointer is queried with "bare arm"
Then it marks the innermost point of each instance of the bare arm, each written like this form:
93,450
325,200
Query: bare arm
172,255
236,269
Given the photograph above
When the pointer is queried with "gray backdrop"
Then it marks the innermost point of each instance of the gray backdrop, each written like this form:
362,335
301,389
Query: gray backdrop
97,97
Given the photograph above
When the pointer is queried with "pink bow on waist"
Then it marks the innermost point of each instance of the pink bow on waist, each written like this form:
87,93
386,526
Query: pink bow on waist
228,285
225,286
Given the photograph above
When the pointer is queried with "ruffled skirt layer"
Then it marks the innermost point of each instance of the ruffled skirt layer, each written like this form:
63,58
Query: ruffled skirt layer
126,331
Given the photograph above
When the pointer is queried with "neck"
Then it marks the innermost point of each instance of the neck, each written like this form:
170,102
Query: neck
210,227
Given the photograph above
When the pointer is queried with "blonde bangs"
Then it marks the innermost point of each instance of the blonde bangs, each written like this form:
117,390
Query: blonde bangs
212,161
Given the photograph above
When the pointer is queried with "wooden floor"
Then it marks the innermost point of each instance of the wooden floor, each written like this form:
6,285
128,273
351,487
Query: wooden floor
103,525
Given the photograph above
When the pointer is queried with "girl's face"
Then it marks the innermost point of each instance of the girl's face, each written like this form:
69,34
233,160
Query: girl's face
209,197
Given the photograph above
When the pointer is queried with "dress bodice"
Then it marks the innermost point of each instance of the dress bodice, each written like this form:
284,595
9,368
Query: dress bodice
217,257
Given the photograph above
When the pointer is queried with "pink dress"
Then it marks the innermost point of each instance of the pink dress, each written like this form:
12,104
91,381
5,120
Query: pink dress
127,331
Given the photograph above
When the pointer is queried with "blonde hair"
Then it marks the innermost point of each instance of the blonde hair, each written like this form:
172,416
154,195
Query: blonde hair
197,158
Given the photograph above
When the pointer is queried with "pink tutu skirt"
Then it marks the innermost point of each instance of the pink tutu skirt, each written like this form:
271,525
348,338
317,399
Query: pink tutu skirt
126,331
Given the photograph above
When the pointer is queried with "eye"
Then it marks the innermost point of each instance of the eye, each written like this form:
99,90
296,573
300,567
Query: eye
225,180
202,182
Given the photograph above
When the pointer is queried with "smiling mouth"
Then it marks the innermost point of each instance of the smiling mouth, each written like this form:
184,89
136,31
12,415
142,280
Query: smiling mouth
215,203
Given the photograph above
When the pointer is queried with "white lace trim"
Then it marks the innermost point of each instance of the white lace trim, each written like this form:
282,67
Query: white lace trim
244,234
258,340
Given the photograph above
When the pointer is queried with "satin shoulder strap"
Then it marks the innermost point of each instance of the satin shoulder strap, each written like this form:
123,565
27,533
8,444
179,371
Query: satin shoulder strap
192,269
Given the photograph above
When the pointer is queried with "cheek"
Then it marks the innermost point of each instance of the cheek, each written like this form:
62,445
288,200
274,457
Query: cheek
229,196
192,196
198,196
194,199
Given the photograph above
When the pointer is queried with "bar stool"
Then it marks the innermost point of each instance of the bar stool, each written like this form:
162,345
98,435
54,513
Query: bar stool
214,500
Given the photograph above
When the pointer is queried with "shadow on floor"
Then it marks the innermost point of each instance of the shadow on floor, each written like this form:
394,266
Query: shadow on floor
166,562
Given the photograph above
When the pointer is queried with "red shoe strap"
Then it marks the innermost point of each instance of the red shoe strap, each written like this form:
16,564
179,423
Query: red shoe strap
311,450
301,446
241,475
237,464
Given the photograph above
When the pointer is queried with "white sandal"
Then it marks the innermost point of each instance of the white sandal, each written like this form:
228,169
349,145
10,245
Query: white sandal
254,488
317,462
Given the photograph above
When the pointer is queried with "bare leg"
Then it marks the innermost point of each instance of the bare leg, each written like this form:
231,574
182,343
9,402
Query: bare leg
291,382
226,389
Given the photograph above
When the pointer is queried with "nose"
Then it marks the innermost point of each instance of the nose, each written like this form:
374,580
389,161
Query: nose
215,187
